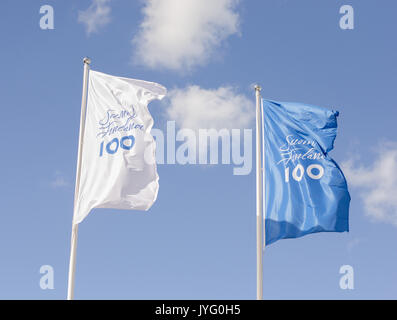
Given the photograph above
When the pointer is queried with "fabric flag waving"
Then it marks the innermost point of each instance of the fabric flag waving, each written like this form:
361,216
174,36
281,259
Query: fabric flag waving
118,168
305,190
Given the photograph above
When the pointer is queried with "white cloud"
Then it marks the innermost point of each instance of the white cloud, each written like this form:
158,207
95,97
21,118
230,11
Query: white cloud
96,16
196,108
377,183
59,181
179,34
210,123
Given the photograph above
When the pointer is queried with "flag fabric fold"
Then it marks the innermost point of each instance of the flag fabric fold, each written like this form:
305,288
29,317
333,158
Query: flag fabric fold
305,191
118,168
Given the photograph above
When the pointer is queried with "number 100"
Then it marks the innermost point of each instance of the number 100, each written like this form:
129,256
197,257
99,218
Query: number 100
125,143
299,172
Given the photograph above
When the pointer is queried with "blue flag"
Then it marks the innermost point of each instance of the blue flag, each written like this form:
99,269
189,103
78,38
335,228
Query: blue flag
305,191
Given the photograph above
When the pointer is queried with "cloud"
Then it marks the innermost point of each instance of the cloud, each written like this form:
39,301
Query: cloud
210,123
96,16
59,181
376,183
197,108
179,35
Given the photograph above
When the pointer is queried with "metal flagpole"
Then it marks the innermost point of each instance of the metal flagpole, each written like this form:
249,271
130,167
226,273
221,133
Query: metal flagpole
259,226
72,263
263,176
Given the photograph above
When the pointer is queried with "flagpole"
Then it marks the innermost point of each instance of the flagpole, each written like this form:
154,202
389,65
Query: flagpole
72,263
263,176
259,225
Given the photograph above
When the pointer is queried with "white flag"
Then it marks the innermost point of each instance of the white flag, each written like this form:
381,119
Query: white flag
118,168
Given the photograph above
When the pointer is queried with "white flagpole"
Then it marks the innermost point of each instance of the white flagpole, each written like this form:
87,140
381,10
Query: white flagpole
72,263
263,176
259,213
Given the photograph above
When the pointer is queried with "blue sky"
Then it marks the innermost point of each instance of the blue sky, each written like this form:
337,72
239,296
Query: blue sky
198,240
